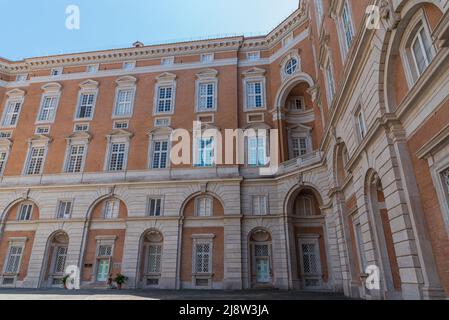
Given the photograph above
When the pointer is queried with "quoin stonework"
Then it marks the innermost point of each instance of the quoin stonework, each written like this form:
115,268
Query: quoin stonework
358,91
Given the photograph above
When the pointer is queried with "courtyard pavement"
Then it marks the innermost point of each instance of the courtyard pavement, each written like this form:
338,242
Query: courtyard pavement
94,294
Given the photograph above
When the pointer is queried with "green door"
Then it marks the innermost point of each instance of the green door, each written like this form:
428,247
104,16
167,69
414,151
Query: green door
103,270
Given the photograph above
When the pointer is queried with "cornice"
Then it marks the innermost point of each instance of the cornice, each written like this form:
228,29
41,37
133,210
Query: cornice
161,50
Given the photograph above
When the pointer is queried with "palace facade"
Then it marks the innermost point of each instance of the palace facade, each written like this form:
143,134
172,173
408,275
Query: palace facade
359,93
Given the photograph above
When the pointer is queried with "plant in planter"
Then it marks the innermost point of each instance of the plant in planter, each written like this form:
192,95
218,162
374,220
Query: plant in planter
65,279
120,279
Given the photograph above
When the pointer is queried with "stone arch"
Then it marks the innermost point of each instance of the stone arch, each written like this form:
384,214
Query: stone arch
14,203
288,85
339,162
390,58
390,282
194,195
102,198
295,191
151,242
55,258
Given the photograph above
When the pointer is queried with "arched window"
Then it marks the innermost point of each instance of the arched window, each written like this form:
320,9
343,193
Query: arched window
417,50
291,66
25,211
152,252
446,180
204,206
304,206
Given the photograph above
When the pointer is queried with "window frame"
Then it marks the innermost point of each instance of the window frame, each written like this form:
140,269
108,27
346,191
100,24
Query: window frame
30,157
411,68
116,206
119,89
209,210
12,101
65,216
153,151
261,200
161,206
249,81
82,92
67,161
29,215
111,153
198,95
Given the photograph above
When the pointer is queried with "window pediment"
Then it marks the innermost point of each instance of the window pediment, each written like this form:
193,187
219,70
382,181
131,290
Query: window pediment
40,139
15,93
89,84
53,87
5,143
165,131
120,134
207,74
166,76
300,128
79,136
254,72
126,81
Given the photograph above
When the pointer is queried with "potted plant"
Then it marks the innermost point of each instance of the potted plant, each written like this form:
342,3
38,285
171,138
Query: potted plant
64,280
120,279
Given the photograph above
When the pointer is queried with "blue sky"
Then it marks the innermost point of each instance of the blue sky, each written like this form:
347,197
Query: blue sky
36,28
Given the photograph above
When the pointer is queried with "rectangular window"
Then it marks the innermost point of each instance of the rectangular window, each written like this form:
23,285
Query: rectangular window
203,207
64,209
86,106
11,114
207,57
361,247
81,127
167,61
22,77
48,108
124,103
203,258
287,40
92,68
25,212
310,258
254,95
42,130
117,157
14,258
35,161
319,12
162,122
129,65
165,99
111,209
330,85
299,146
75,159
253,56
155,207
3,156
347,25
121,125
60,259
298,104
361,126
206,96
260,205
56,72
5,134
160,154
257,148
422,51
205,157
154,258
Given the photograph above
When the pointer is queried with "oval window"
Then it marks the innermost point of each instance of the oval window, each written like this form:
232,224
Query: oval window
291,66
